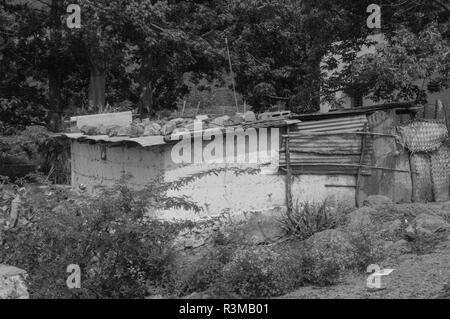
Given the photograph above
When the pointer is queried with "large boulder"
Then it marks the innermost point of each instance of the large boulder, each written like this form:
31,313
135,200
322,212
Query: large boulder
428,225
361,217
260,227
384,224
12,283
377,201
400,247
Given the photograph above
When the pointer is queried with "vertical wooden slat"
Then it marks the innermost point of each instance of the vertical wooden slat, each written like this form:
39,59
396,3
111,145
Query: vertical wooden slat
444,108
289,205
361,162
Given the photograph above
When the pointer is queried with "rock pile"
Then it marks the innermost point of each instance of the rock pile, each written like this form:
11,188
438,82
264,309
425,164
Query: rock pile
12,283
165,127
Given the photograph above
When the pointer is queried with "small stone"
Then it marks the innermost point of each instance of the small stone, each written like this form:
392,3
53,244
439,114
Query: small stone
152,129
221,120
113,130
194,243
102,129
201,117
177,121
168,128
237,119
89,130
124,131
249,116
136,130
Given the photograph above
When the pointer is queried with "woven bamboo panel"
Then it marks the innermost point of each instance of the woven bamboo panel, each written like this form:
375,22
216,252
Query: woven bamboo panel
423,186
440,172
423,136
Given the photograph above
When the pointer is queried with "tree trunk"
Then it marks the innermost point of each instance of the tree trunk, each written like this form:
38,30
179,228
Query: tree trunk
54,117
146,96
315,85
97,87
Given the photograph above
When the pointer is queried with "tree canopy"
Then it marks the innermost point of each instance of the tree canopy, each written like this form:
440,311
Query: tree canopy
135,54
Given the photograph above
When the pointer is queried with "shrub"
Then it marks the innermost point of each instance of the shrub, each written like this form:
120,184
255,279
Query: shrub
322,272
261,272
422,243
201,275
205,273
327,255
309,218
120,250
368,246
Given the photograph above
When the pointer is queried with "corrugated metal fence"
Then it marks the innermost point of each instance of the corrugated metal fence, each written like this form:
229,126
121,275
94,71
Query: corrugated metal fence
331,146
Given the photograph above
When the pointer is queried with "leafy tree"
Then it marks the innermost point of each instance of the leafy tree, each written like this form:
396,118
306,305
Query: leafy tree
278,46
412,60
283,50
126,53
40,63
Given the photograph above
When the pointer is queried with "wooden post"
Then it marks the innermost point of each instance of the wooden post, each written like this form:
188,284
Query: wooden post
444,108
232,75
413,179
361,160
289,205
198,108
184,107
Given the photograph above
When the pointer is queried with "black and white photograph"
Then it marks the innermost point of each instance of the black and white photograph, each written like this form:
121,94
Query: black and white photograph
222,157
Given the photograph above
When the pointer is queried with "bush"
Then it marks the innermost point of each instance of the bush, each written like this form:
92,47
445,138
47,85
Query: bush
369,247
322,272
201,275
327,255
205,273
261,272
422,243
120,251
309,218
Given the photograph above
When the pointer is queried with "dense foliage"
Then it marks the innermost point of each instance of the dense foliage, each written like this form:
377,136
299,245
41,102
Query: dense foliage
136,54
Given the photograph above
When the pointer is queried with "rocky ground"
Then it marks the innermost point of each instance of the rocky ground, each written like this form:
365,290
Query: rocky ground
421,269
414,239
415,276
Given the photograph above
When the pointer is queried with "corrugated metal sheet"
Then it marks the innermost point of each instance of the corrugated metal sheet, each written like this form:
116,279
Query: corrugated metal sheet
327,144
403,107
345,124
314,148
146,141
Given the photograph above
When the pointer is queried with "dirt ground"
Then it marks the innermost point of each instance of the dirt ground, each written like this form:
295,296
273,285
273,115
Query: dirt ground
415,276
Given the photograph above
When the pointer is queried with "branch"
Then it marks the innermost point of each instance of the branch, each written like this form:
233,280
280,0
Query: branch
279,97
442,5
